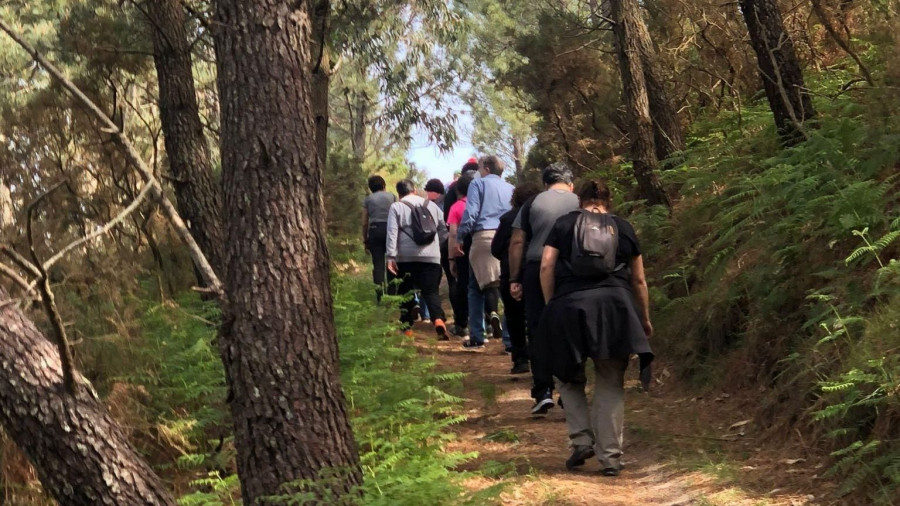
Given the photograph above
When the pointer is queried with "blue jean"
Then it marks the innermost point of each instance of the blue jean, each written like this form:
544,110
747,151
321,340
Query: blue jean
476,310
481,303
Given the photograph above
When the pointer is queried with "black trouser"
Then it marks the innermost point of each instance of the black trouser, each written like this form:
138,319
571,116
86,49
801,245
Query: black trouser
534,305
459,294
451,284
377,246
515,324
426,277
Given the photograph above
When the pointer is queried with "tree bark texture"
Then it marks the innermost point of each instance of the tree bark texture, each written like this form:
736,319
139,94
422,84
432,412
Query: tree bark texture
199,197
321,75
779,68
667,132
626,16
78,451
278,340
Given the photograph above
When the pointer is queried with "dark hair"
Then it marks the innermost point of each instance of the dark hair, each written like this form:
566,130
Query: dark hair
493,164
376,183
558,172
594,192
434,185
522,193
405,187
462,184
469,167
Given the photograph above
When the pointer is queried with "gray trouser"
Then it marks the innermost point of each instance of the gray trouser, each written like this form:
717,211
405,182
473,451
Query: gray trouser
600,425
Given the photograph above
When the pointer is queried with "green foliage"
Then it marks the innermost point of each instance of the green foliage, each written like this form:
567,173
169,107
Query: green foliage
785,260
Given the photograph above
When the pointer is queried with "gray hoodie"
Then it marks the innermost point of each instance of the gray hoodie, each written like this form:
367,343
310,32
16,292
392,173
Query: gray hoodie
400,246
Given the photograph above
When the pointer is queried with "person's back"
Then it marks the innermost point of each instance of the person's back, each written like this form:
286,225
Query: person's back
542,213
377,205
401,245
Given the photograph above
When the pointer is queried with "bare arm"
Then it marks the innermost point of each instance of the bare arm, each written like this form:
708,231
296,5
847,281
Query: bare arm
365,227
548,272
452,244
516,250
642,296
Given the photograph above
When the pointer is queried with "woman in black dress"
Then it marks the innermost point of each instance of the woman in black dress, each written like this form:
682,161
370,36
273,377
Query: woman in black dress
604,317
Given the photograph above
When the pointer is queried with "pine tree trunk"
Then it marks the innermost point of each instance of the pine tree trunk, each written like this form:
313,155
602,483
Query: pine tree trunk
321,75
667,132
78,451
278,340
779,69
626,16
198,196
518,154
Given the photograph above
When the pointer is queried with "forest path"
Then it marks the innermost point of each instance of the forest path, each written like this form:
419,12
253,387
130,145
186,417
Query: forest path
678,450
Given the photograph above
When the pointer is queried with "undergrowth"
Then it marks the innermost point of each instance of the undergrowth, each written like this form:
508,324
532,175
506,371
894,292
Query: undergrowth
777,272
399,405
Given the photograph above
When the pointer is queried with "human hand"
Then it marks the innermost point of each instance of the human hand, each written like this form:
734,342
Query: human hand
648,328
515,290
392,267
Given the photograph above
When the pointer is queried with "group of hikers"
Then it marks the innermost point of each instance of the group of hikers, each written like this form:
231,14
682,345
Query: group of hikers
568,271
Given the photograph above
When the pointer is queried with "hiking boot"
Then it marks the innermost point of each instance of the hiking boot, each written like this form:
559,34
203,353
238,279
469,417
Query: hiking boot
408,332
610,471
441,330
415,313
496,327
472,345
543,405
579,455
521,368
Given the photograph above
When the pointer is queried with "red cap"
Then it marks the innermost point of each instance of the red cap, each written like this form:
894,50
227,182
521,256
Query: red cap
472,160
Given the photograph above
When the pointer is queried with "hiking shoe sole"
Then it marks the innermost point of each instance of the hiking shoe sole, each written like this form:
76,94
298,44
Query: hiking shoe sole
472,345
496,327
579,456
542,406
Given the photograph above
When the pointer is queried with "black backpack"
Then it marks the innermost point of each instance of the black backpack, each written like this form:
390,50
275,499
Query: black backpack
422,224
595,241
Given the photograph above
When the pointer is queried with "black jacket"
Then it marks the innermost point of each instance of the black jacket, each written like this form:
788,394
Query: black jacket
500,243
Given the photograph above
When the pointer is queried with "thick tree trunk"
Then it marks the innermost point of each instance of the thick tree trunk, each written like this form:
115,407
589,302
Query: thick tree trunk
199,197
626,16
278,340
779,68
79,453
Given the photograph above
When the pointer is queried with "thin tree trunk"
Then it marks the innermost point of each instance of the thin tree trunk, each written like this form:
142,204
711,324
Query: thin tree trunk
779,69
78,451
843,44
278,340
198,197
626,28
518,154
667,132
321,75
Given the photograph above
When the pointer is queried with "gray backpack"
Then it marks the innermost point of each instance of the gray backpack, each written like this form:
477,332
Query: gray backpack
594,245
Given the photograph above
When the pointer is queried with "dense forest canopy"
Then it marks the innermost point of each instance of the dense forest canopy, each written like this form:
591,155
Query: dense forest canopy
179,177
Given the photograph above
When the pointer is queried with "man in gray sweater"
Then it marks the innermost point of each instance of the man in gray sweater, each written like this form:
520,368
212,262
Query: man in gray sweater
417,266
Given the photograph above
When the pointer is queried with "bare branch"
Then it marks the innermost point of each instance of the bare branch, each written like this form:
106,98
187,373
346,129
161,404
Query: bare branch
62,343
14,276
131,153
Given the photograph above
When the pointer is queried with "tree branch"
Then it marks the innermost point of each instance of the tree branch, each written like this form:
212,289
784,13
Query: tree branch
132,155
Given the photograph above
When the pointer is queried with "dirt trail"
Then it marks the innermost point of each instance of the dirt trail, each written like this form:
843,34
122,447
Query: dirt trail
678,450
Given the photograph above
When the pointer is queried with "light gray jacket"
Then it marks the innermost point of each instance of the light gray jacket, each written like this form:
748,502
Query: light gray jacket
400,246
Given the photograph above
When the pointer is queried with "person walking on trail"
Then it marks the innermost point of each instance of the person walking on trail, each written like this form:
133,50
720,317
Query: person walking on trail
487,200
374,229
592,277
435,192
530,230
471,165
459,258
513,310
413,254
